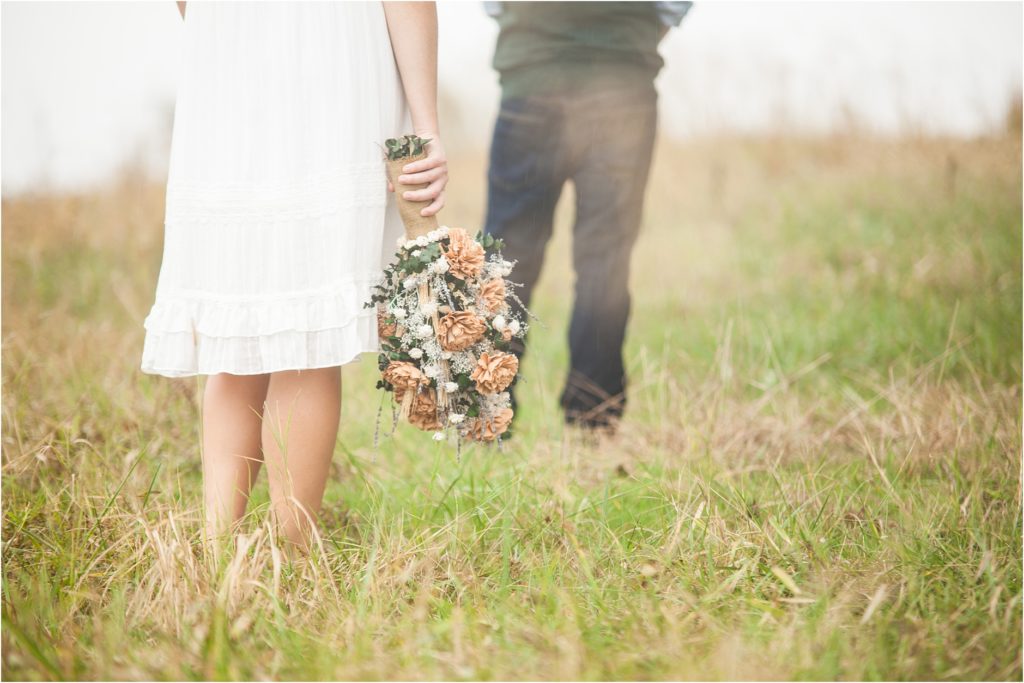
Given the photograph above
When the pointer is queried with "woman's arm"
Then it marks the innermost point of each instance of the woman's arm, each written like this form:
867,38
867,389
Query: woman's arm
413,30
181,8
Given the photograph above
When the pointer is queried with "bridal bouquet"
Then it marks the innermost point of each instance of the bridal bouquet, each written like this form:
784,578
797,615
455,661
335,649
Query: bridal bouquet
444,321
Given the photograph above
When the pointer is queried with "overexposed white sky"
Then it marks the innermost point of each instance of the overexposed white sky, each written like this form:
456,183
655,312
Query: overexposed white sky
87,85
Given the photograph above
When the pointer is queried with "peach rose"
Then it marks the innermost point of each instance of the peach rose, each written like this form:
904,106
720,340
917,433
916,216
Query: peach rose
464,254
494,372
459,330
489,430
385,329
424,411
492,295
402,376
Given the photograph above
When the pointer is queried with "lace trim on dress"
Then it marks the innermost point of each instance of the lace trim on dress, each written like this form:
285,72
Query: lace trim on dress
314,196
225,317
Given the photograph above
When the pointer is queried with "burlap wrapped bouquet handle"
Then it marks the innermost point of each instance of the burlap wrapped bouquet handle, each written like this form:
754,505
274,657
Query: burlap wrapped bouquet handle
415,224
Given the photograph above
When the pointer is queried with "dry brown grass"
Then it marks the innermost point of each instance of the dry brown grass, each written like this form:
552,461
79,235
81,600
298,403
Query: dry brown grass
818,476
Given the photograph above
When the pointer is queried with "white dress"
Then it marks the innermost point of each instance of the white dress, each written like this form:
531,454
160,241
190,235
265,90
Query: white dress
278,221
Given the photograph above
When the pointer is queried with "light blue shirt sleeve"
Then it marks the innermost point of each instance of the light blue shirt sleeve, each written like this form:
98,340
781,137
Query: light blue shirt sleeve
492,7
672,13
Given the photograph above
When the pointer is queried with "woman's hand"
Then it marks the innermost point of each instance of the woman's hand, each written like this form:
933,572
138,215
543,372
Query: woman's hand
433,169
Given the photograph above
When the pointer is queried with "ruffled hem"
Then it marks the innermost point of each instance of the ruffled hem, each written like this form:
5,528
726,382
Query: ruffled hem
182,354
197,333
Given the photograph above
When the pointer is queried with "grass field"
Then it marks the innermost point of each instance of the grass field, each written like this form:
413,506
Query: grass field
818,477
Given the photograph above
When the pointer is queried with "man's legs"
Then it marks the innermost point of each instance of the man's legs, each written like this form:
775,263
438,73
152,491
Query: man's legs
614,135
525,178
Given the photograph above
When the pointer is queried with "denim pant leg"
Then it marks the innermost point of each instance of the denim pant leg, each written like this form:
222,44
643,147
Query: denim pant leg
613,136
524,180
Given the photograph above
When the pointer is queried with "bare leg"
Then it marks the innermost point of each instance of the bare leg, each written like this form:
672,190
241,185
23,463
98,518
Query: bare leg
232,411
300,428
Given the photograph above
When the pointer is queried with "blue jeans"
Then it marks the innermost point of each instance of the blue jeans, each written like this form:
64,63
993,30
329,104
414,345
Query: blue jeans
602,141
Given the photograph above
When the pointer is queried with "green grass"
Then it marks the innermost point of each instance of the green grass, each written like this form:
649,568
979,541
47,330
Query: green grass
819,475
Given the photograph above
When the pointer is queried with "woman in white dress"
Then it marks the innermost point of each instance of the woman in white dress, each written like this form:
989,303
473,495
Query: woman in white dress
278,221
